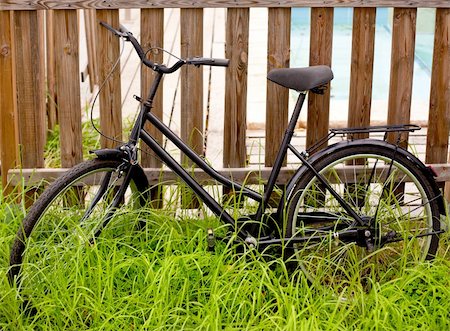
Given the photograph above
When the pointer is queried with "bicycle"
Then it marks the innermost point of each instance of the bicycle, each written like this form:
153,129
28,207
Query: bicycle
361,202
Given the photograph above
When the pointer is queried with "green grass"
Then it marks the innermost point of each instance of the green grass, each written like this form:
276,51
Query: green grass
52,151
163,278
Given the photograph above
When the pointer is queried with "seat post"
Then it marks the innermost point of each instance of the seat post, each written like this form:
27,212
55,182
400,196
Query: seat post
296,114
281,154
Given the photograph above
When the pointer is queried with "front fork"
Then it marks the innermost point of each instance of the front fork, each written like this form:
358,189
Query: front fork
118,197
127,153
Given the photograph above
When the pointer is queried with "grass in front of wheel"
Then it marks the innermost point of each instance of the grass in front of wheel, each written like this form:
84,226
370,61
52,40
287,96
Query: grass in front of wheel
163,277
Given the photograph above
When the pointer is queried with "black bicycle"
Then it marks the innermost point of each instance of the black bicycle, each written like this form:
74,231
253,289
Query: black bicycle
361,206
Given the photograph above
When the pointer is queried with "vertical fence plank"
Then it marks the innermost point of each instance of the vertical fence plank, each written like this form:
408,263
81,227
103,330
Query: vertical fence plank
89,24
9,139
320,53
439,115
192,79
30,79
51,87
191,22
235,123
68,85
152,35
361,74
402,66
278,55
236,49
108,52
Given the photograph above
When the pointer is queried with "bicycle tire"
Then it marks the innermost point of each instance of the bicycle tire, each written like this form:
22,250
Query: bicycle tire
399,198
50,229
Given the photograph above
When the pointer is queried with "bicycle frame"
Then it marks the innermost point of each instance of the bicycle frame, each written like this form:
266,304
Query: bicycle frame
138,132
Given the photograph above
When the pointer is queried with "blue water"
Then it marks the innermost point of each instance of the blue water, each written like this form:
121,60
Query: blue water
341,52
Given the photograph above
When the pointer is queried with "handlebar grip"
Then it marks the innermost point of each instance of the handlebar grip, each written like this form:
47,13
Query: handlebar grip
197,61
129,37
110,28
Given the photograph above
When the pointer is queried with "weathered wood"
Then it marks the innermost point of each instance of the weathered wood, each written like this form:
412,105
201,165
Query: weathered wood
321,44
9,139
277,99
158,175
116,4
249,176
361,75
108,52
30,79
236,50
68,85
320,53
191,22
91,46
152,35
402,66
52,115
439,115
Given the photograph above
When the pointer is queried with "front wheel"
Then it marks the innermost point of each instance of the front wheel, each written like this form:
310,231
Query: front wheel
64,222
384,187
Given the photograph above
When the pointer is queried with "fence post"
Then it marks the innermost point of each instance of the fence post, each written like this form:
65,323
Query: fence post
67,77
361,74
52,109
8,112
402,66
191,22
108,52
91,46
235,124
439,115
278,56
152,35
30,82
320,53
236,50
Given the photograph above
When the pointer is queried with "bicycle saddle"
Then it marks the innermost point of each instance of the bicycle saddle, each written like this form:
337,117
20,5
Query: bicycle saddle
301,79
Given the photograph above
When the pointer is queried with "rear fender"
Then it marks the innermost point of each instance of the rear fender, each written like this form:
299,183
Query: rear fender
346,144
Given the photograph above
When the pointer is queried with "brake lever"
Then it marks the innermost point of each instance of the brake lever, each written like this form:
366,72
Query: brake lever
124,30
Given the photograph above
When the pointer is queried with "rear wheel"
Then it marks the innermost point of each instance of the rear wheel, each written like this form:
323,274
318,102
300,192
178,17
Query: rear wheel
64,222
393,196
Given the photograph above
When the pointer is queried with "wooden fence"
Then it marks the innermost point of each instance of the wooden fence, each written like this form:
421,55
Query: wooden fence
26,67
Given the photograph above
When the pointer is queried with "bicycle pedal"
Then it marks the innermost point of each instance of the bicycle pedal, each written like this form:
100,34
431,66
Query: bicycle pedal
211,239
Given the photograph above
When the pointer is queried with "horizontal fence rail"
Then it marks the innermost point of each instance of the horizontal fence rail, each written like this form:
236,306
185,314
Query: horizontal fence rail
42,86
167,177
123,4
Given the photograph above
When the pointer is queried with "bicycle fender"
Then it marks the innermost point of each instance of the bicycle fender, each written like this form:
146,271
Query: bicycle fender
428,173
110,153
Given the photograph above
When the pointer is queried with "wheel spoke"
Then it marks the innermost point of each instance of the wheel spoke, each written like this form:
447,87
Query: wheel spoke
393,199
103,187
65,219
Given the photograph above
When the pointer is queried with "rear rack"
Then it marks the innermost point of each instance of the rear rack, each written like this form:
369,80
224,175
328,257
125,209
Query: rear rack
377,128
350,132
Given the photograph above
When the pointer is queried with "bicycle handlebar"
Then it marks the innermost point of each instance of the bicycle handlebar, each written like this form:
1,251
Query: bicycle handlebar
197,61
